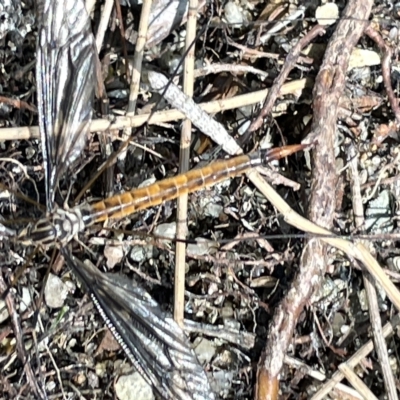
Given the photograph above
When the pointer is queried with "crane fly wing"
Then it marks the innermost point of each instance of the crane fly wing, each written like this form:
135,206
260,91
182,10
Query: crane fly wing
65,75
151,339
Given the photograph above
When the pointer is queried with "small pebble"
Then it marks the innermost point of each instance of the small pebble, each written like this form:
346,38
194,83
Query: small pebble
141,253
379,214
114,255
26,299
101,369
166,230
202,247
205,351
30,152
55,292
233,13
362,298
133,386
327,14
363,58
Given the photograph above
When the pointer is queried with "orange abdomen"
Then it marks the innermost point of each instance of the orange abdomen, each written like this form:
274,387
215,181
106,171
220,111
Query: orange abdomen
122,205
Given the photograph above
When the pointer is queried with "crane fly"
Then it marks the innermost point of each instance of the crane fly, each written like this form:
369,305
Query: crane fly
62,225
65,74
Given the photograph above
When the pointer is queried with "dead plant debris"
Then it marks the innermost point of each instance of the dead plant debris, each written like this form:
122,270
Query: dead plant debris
258,290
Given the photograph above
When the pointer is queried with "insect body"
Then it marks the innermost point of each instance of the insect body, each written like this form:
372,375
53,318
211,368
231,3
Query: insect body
62,225
65,74
151,339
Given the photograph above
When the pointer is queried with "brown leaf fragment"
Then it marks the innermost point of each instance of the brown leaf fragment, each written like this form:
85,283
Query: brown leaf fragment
108,343
383,131
360,104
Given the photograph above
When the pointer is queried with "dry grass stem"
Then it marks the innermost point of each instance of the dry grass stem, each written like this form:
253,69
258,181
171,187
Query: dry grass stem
184,158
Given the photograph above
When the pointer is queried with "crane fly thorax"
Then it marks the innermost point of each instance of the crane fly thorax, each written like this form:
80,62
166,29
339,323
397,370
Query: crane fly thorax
58,227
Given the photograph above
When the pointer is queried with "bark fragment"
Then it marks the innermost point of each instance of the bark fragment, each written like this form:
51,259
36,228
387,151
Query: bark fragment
328,89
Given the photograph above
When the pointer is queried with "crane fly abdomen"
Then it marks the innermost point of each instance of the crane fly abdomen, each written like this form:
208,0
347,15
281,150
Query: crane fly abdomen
122,205
62,225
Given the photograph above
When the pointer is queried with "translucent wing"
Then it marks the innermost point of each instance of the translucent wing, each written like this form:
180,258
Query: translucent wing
65,75
151,339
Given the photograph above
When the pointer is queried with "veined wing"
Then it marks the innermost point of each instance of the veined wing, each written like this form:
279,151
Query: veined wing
151,339
65,75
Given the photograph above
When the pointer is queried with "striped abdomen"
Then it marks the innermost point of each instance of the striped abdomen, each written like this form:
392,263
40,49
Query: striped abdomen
122,205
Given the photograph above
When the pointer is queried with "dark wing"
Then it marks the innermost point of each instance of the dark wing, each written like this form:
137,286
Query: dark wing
151,339
65,75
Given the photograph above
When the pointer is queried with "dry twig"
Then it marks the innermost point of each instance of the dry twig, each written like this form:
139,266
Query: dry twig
290,62
184,157
105,17
386,70
104,125
328,88
363,352
380,344
138,57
